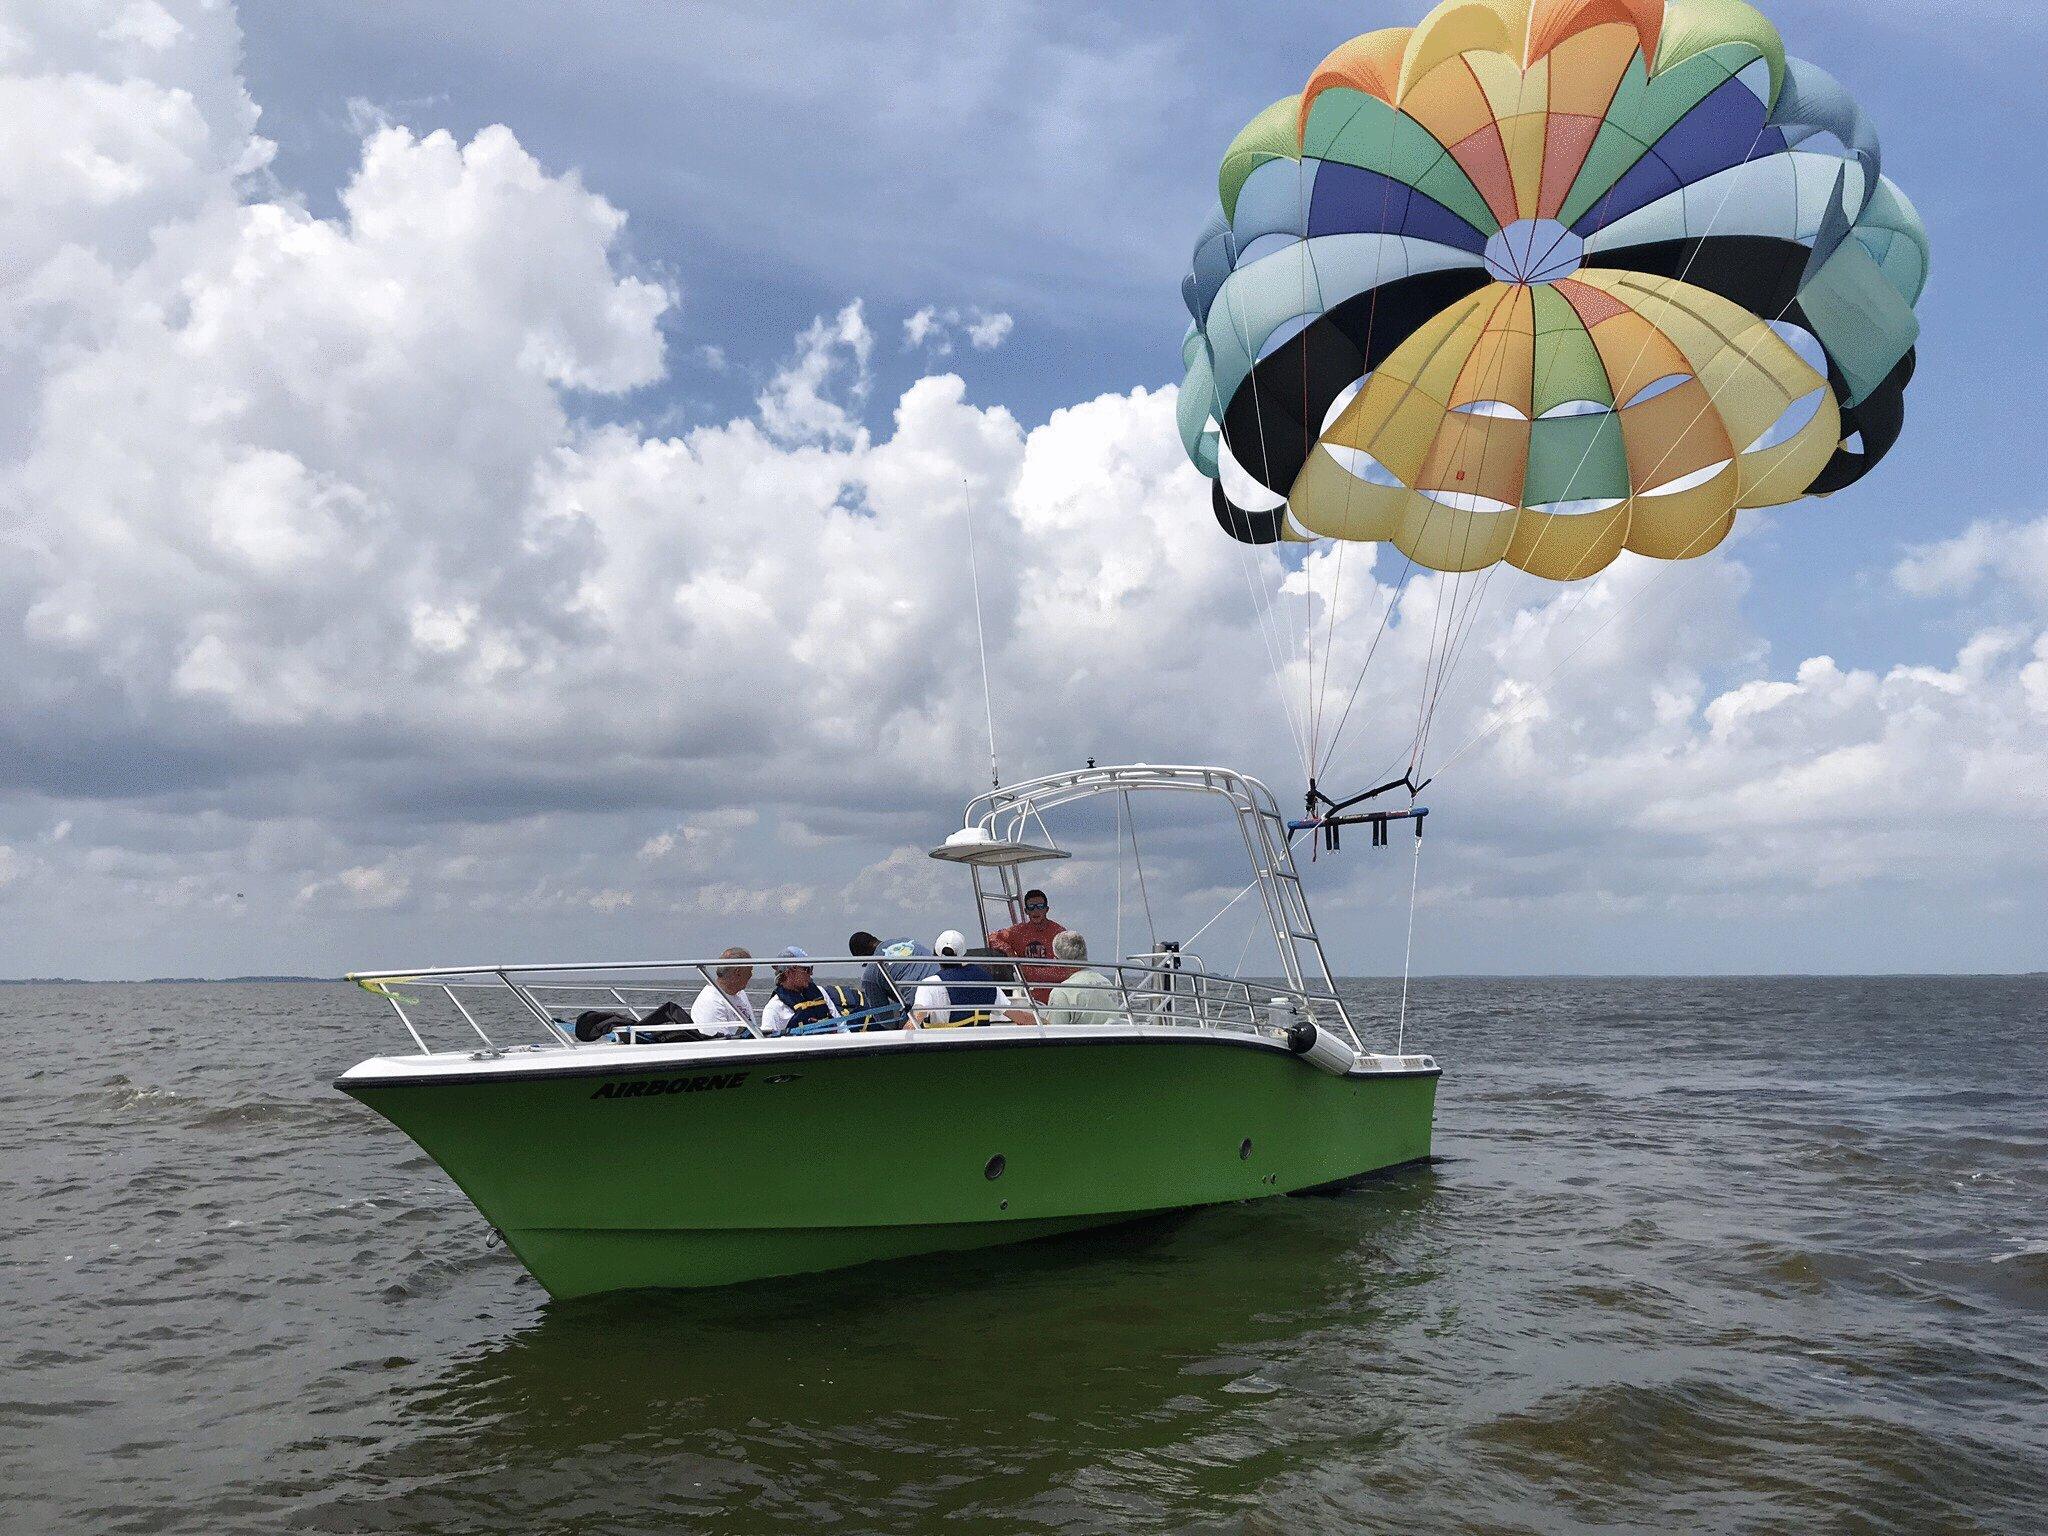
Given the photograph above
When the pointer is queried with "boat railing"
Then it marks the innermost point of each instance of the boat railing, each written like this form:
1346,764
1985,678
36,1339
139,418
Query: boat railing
488,1010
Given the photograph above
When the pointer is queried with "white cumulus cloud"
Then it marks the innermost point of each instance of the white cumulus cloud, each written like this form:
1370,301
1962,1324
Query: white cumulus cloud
321,584
932,329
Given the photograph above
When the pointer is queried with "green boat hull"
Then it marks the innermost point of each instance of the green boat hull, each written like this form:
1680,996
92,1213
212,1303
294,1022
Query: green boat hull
730,1167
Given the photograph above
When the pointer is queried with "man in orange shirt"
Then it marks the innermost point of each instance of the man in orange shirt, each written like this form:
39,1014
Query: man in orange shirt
1032,940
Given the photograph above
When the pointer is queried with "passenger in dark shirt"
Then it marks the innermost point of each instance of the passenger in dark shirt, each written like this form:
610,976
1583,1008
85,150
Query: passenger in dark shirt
912,963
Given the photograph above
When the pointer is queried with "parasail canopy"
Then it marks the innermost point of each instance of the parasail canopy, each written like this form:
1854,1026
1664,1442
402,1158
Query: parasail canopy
1538,281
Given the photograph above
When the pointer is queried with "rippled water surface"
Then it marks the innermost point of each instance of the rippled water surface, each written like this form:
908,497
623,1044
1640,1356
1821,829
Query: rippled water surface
1695,1255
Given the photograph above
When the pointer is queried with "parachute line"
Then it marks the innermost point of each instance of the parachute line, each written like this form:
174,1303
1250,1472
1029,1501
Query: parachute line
1408,950
1294,836
1265,472
1444,621
1251,931
1138,864
1666,567
1271,623
1430,695
1262,616
1456,612
1393,597
1366,362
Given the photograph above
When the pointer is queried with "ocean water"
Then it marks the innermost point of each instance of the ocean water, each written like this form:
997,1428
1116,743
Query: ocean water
1695,1255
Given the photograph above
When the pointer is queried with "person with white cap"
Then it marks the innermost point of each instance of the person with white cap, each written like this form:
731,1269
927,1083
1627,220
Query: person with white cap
798,1000
962,993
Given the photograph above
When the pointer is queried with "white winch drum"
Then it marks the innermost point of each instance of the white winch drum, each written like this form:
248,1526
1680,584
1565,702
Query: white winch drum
1321,1048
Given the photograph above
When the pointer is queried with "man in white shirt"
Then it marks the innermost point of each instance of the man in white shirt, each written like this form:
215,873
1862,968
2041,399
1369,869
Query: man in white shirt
723,1010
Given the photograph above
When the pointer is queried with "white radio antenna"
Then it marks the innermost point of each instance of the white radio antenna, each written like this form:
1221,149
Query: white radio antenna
995,775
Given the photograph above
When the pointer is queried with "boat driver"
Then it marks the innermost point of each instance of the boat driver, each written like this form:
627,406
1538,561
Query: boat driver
1032,940
723,1010
798,1001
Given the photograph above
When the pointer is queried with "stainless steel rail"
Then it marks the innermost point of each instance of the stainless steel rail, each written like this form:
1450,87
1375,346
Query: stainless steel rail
1166,989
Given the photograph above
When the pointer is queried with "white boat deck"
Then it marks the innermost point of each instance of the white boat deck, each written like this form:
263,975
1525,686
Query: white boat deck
766,1054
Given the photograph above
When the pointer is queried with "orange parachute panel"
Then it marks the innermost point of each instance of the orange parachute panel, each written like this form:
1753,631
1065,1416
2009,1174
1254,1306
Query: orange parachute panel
1554,23
1370,64
1450,103
1586,69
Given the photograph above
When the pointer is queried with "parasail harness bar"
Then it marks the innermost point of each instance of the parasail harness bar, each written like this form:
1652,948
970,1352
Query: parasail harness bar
1330,817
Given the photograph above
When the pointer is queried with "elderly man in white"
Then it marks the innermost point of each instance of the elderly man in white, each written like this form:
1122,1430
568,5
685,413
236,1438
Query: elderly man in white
723,1009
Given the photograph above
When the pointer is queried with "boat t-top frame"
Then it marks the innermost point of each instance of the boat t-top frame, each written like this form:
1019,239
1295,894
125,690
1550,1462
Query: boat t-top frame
1005,829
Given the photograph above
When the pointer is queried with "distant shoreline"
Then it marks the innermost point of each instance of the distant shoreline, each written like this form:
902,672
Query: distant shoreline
148,981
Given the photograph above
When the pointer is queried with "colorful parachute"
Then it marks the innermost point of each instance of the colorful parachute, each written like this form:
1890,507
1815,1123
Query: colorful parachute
1543,280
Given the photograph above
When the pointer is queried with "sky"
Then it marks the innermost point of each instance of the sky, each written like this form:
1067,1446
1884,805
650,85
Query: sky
483,483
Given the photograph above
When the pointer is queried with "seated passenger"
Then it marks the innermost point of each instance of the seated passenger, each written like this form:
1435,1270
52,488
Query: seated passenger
798,999
911,963
846,997
1013,1001
1033,939
961,992
1086,996
723,1010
